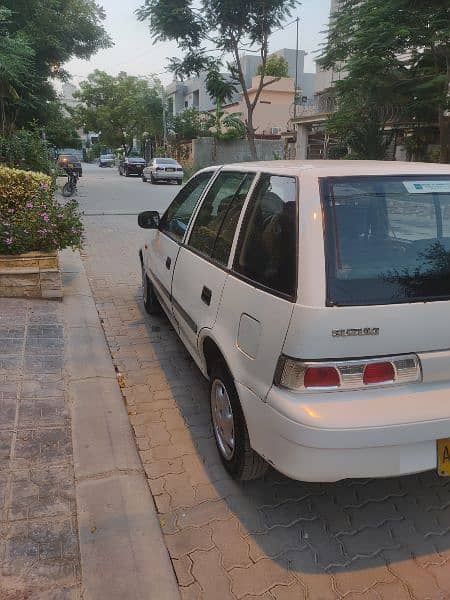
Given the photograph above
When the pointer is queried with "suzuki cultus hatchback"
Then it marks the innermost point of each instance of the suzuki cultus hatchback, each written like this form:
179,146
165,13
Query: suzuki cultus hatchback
315,296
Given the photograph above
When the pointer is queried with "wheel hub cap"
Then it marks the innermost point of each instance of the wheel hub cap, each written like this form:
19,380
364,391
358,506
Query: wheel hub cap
222,417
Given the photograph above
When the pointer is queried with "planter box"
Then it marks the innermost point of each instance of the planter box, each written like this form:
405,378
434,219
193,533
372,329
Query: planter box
31,275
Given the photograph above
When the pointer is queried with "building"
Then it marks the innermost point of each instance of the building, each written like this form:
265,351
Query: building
309,124
273,111
192,93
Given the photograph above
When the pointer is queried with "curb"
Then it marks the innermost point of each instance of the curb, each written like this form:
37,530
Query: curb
123,555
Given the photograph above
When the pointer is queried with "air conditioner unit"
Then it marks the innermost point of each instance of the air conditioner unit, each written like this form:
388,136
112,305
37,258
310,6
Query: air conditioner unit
275,130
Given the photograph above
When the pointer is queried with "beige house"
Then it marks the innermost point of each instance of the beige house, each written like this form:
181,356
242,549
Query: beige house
274,108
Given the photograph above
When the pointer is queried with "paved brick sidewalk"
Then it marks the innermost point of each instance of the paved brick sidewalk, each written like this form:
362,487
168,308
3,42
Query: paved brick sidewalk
39,555
274,539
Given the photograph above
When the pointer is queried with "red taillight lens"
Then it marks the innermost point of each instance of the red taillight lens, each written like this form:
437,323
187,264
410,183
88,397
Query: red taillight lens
379,373
321,377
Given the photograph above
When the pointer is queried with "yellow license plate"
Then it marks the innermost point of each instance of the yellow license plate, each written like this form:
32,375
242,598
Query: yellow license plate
443,452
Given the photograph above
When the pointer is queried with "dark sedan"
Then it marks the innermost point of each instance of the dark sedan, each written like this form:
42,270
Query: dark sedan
132,165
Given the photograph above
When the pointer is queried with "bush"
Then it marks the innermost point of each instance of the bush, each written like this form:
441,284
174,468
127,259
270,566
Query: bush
27,150
31,219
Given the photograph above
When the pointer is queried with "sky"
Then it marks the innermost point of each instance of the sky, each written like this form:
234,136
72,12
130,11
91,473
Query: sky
135,53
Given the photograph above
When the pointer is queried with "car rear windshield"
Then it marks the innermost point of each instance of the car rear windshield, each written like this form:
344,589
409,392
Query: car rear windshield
166,161
387,239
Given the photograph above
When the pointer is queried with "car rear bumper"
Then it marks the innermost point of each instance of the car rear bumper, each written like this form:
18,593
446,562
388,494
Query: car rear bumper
166,176
308,443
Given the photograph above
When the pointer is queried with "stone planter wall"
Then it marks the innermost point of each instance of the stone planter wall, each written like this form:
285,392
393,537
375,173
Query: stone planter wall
31,275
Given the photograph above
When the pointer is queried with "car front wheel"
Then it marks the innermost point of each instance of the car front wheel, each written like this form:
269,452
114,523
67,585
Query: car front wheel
230,429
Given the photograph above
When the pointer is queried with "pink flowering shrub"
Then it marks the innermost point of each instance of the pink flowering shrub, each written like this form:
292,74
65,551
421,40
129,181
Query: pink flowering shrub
31,219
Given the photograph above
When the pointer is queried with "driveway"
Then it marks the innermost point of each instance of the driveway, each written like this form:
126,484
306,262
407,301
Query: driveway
272,539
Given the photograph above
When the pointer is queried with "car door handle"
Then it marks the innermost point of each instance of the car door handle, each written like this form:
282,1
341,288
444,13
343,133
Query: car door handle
168,262
206,295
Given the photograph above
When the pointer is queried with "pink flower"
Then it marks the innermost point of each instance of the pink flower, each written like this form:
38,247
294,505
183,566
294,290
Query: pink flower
11,210
44,186
29,205
9,241
45,216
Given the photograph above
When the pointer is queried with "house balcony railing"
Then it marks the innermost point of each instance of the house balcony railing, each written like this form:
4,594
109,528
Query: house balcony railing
318,106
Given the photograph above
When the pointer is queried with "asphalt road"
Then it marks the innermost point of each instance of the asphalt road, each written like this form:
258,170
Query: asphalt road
272,539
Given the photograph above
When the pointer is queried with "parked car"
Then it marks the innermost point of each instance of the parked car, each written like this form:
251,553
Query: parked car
163,169
74,151
69,161
131,165
106,160
315,297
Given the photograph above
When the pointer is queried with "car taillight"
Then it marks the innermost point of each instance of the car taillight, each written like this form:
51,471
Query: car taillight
381,372
179,169
347,374
321,377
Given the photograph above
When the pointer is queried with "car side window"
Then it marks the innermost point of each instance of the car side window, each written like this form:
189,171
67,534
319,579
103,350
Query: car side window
215,224
267,248
177,217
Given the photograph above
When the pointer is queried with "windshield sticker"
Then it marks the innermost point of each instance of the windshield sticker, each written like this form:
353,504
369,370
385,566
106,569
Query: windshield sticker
427,187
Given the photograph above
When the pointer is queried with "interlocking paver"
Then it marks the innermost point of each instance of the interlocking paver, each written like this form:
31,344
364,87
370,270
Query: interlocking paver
361,539
188,540
209,573
259,577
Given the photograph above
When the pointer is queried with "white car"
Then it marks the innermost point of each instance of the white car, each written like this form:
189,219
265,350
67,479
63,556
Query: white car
163,169
315,297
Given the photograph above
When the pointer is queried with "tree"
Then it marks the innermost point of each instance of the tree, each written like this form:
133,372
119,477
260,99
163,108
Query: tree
229,25
120,108
276,66
47,35
60,129
15,61
189,124
393,53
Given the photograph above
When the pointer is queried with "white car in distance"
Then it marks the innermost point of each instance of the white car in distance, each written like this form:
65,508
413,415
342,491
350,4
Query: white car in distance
163,169
315,297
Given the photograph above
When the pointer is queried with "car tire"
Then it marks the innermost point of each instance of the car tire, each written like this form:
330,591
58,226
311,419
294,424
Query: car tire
236,454
144,178
127,174
151,302
152,179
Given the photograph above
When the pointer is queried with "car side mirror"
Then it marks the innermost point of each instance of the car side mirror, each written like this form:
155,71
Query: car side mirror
149,219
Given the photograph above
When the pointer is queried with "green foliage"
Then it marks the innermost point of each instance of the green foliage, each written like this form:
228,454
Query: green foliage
190,124
276,66
27,150
220,88
394,56
121,107
15,59
60,129
229,24
30,217
37,38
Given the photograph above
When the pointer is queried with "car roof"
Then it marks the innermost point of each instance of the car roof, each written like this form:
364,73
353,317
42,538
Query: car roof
330,168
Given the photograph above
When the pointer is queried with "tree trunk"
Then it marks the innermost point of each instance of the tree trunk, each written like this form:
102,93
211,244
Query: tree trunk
444,122
251,136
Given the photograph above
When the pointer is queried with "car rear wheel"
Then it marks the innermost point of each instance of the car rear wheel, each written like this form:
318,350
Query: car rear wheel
152,179
144,178
230,429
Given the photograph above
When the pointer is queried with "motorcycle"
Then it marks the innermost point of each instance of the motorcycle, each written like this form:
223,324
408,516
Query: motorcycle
70,187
